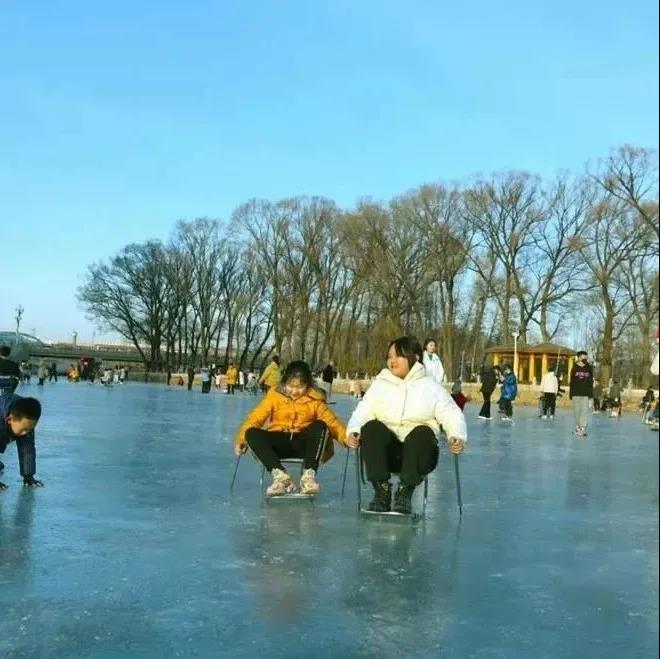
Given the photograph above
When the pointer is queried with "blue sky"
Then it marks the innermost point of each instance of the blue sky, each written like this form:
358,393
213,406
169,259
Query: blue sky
119,118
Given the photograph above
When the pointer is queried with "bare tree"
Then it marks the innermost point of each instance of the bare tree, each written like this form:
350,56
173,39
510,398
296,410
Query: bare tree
505,213
559,273
128,296
614,237
630,174
434,212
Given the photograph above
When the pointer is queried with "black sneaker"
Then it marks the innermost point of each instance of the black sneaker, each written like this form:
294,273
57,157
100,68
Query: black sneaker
403,499
2,465
382,500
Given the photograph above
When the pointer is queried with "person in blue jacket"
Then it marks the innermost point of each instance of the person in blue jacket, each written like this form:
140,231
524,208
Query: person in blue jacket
509,392
18,418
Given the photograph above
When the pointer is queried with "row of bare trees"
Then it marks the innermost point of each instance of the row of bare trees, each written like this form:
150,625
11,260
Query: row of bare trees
571,260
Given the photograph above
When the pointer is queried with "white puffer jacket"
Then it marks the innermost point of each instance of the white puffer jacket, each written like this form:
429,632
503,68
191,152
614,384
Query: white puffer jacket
404,404
434,368
549,384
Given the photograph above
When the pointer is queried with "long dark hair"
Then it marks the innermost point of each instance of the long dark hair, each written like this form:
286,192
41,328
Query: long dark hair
298,369
408,347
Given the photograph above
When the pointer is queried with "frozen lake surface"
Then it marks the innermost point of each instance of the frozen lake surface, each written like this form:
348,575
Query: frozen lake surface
135,547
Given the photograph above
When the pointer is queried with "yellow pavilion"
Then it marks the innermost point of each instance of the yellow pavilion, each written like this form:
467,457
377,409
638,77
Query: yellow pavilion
532,361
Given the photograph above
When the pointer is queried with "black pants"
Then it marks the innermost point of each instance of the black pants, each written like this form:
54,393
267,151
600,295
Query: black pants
383,453
506,407
231,388
549,403
485,408
272,446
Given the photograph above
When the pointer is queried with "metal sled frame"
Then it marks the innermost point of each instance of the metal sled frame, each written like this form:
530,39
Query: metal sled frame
361,480
288,461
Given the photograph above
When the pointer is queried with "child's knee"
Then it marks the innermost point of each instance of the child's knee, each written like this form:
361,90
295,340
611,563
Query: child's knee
252,435
319,426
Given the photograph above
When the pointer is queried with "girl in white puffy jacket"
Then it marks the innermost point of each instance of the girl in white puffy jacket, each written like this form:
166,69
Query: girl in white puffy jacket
397,424
434,368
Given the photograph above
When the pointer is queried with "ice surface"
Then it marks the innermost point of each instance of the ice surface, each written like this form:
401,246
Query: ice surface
135,547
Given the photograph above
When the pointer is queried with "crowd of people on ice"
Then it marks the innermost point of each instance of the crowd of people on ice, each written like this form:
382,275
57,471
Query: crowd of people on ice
396,425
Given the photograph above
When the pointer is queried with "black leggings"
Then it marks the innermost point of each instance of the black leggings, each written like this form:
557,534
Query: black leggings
549,403
272,446
485,408
383,453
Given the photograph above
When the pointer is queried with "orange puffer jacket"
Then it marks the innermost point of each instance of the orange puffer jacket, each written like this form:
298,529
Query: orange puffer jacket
279,412
232,375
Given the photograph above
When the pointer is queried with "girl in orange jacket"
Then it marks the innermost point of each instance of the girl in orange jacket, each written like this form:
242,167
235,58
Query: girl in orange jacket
299,425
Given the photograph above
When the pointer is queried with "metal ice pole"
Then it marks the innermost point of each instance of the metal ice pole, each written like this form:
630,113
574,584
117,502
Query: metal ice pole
458,486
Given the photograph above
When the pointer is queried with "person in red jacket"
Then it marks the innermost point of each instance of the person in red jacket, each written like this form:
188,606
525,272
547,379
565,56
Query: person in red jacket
457,394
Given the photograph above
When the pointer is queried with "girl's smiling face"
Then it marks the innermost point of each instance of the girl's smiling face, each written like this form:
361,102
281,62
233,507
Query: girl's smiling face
398,365
295,388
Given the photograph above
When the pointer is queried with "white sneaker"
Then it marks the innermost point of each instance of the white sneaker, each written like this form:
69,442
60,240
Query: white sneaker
282,484
486,418
544,417
551,417
308,482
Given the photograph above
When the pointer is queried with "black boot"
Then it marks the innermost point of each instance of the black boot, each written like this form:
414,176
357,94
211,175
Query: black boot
403,499
382,497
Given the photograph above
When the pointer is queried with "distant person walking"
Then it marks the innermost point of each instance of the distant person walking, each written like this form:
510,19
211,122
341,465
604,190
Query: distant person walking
581,391
272,374
598,396
26,372
328,377
10,372
191,377
252,385
42,373
434,368
206,379
549,390
489,378
52,372
615,402
231,378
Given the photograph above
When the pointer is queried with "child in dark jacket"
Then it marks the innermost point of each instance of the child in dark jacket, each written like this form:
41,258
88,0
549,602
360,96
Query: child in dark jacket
18,418
509,393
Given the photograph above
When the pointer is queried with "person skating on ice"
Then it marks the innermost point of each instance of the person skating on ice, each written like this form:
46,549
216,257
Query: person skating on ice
581,392
508,393
489,379
549,390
